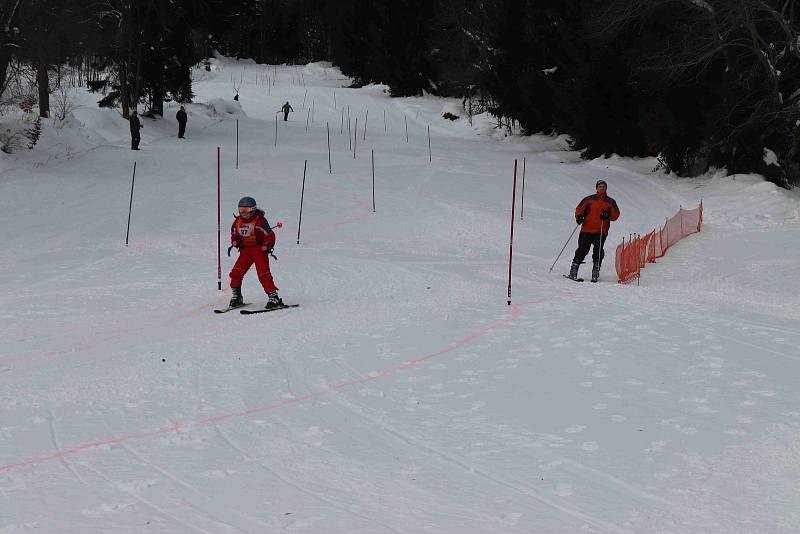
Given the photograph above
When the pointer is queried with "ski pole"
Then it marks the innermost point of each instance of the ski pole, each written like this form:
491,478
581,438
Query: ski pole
565,246
600,243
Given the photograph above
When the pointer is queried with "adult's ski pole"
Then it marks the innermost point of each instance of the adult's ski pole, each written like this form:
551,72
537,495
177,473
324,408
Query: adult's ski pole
565,246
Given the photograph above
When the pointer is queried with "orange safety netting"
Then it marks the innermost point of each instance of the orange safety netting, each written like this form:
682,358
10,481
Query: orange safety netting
638,250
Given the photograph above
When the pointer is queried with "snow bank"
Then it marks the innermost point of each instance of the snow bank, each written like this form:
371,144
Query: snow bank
453,111
218,108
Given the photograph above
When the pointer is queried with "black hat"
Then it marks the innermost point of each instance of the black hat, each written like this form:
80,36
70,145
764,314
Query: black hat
600,182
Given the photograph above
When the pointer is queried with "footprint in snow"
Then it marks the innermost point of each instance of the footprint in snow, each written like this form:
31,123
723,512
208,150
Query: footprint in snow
563,490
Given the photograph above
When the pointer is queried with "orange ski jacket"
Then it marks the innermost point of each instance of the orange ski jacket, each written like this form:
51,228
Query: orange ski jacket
591,207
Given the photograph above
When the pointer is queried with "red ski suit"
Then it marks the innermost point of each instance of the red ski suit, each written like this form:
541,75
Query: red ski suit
255,240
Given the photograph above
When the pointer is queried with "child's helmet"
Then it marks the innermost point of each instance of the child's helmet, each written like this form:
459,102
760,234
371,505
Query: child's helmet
247,202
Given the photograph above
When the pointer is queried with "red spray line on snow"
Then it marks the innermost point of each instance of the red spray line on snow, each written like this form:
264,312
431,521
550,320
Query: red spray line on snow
474,335
511,241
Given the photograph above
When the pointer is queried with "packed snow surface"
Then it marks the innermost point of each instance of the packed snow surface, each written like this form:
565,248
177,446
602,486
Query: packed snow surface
404,394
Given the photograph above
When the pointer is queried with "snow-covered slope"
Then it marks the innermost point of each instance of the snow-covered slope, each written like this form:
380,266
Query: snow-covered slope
404,395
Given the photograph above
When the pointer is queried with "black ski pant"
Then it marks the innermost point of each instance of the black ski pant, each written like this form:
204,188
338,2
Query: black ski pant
285,116
135,139
181,129
587,240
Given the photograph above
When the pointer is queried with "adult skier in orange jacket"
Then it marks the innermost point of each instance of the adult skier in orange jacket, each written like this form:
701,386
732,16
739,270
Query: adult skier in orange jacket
595,214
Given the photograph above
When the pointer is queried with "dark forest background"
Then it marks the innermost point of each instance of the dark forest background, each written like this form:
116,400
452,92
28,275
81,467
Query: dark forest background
698,83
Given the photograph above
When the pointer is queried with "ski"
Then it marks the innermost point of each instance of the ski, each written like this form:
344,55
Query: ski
573,279
265,310
229,308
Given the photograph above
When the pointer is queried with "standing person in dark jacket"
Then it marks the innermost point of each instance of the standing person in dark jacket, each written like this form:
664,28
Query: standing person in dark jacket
286,108
135,125
181,116
595,213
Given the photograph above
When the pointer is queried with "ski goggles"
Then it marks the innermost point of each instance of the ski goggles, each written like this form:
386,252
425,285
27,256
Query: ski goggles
244,210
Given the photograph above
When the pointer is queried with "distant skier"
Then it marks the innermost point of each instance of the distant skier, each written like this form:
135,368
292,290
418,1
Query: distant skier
182,118
595,214
253,236
135,125
286,108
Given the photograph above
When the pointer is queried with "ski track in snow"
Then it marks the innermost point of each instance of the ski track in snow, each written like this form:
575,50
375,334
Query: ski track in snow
403,395
374,375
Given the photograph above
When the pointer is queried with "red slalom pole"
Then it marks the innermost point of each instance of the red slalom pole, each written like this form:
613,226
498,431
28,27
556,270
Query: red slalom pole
522,207
373,180
219,230
511,242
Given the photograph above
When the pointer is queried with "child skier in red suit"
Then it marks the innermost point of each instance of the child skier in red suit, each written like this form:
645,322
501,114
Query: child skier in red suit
253,236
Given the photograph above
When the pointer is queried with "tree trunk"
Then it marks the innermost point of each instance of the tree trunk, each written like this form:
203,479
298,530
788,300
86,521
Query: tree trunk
43,83
124,93
5,59
158,103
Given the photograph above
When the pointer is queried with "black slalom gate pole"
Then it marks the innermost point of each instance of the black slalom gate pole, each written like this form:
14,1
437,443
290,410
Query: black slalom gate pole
511,241
302,194
522,207
330,168
130,206
430,154
276,130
